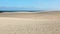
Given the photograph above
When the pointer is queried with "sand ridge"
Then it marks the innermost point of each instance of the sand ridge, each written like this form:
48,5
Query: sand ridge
23,23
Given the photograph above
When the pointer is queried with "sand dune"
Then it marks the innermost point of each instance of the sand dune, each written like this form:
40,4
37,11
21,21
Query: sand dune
30,23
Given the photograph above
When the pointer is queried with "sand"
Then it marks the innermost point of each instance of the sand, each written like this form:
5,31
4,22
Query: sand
30,23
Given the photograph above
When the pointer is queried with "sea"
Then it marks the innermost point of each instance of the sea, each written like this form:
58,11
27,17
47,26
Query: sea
21,10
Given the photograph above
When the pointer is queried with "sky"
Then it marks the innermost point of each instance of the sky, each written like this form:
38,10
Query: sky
30,4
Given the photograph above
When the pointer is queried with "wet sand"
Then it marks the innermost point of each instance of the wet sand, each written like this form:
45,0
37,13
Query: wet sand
30,23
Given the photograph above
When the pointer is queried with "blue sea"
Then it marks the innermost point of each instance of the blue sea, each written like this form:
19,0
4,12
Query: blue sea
20,10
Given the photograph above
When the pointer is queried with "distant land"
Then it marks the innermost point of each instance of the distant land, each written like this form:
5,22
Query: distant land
17,8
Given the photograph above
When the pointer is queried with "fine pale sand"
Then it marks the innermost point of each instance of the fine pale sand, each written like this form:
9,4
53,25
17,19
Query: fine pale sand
30,23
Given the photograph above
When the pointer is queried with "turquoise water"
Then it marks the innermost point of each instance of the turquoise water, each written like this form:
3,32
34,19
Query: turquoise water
22,11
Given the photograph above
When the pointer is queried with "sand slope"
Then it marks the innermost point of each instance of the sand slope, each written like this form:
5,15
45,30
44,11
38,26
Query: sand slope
23,23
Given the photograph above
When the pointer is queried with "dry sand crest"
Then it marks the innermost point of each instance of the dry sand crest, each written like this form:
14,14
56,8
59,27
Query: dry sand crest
30,23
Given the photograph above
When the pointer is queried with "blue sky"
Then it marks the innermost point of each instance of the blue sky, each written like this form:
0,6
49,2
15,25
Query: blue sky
31,4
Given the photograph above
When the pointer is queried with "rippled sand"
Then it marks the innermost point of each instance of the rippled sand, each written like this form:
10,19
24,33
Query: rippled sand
30,23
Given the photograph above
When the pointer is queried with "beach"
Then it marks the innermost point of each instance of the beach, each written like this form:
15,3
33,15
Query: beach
30,23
